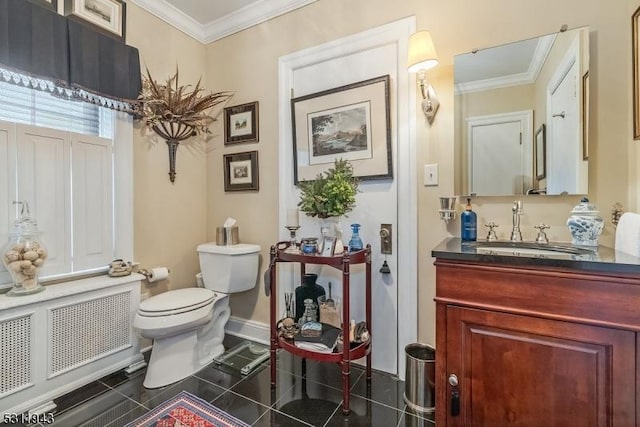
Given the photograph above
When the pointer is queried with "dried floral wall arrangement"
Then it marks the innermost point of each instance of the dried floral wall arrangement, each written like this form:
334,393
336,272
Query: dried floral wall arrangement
177,112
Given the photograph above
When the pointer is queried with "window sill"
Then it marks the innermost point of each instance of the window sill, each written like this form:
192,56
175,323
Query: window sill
66,288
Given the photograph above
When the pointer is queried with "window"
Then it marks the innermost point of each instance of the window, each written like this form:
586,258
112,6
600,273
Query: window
61,156
20,104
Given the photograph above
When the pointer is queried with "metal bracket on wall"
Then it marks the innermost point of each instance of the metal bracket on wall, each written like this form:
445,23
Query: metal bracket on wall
386,238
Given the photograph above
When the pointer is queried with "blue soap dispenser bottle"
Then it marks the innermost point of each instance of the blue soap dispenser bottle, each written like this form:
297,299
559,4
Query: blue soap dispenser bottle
468,223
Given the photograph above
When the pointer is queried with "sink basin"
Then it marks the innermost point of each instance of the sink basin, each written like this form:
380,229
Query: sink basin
528,248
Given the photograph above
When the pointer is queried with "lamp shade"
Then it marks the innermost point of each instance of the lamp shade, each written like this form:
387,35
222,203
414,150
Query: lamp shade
422,54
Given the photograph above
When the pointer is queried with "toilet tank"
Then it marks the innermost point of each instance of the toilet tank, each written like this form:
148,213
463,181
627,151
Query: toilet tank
229,269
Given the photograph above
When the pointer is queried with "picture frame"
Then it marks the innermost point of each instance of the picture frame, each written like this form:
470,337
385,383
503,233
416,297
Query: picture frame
49,4
540,154
635,24
351,122
585,116
241,123
241,171
328,246
107,16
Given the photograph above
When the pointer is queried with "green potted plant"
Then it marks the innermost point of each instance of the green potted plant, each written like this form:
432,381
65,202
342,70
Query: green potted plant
331,194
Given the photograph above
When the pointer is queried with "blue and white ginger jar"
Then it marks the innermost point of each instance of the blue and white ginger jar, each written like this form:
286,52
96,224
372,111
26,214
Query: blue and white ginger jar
585,224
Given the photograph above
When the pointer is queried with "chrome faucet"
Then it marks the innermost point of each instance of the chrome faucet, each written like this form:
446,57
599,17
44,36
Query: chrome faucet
516,209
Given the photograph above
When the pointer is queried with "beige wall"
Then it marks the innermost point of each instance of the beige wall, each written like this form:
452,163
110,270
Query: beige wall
171,219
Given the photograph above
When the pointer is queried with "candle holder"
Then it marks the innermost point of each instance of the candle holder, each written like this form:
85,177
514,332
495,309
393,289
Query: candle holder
293,246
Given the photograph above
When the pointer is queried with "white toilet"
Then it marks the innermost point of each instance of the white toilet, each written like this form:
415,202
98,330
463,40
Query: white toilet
187,325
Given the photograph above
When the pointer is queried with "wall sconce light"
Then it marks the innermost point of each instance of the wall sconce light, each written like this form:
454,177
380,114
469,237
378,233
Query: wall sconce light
422,57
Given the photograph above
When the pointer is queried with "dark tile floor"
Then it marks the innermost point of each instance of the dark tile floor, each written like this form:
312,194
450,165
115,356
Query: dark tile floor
313,398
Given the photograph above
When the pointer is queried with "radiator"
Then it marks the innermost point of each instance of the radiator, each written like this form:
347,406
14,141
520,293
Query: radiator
62,338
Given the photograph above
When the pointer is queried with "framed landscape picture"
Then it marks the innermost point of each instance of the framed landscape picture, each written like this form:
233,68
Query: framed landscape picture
241,171
241,123
350,122
107,16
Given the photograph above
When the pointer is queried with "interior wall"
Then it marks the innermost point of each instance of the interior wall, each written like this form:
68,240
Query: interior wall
172,219
169,219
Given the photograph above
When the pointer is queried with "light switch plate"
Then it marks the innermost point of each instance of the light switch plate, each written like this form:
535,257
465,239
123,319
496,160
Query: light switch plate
431,174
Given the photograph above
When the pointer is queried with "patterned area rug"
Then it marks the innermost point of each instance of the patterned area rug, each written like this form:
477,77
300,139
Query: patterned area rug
186,410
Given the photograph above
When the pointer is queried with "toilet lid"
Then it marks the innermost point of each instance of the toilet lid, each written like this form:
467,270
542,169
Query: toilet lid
175,302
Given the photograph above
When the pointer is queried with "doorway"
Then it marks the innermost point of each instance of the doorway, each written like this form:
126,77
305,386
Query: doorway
372,53
500,153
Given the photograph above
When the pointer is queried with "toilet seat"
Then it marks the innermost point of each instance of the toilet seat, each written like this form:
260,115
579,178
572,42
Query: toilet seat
176,302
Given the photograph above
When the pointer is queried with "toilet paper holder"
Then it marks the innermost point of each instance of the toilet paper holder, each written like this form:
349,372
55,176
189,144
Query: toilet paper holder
147,273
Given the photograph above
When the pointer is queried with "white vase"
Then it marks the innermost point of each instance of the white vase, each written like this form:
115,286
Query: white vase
331,227
585,224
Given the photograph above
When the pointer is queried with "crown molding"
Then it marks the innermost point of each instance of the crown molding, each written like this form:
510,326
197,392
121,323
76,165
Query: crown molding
528,77
248,16
494,83
173,16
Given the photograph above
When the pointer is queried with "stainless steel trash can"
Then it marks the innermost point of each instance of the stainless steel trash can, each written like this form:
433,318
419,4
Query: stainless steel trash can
419,379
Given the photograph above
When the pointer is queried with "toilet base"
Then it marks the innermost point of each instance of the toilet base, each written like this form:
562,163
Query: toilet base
176,357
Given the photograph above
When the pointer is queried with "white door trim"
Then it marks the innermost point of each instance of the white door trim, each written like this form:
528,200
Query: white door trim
397,32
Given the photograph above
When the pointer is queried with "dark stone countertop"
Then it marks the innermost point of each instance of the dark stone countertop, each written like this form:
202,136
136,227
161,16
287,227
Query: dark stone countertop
596,259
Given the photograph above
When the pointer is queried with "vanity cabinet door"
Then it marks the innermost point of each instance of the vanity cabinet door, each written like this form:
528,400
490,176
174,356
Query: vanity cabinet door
516,370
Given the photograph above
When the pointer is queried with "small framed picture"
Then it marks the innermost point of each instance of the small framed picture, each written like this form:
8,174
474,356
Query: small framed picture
541,153
241,123
241,171
107,16
585,116
328,246
635,55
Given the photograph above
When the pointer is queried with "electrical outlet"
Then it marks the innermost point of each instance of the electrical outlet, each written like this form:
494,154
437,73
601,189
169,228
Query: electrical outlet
431,174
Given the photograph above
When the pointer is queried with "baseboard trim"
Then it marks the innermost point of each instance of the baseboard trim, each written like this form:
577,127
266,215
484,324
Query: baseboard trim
248,329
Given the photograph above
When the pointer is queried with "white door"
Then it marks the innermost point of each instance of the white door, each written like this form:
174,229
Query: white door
566,172
500,154
563,143
356,58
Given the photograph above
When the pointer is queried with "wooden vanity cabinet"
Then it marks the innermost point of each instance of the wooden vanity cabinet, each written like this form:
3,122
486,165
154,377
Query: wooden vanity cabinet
533,346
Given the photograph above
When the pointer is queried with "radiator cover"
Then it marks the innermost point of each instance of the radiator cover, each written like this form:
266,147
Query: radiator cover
15,357
101,325
65,337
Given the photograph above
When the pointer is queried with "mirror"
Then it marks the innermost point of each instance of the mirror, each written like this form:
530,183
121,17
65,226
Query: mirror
521,113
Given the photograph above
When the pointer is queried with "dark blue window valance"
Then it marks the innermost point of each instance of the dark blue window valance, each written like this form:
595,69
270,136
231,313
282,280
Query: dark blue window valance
34,40
43,44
